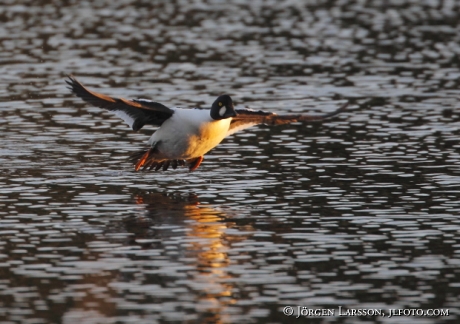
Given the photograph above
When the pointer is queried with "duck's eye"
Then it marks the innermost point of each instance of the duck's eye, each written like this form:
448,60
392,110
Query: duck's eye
220,104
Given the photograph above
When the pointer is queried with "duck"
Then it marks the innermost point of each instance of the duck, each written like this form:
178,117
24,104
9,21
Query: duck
184,135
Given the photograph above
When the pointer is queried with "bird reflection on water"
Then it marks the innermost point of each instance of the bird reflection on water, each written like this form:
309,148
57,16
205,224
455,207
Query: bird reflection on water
197,237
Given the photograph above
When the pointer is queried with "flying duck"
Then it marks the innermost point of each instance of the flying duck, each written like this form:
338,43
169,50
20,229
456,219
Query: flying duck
184,136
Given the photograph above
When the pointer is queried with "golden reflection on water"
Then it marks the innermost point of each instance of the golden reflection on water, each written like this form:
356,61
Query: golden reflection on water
211,260
208,245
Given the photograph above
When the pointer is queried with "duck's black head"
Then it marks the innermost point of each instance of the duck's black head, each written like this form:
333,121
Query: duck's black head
222,108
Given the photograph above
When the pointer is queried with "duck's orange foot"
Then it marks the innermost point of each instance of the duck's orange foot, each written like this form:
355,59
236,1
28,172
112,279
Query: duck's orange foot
195,163
143,159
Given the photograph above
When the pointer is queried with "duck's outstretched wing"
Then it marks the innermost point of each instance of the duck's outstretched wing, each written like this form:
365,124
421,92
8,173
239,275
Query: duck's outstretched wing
135,112
247,117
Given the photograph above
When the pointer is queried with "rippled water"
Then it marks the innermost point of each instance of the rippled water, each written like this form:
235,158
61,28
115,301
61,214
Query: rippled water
359,212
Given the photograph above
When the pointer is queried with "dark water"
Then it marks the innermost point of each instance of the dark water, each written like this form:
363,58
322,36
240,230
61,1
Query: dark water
359,212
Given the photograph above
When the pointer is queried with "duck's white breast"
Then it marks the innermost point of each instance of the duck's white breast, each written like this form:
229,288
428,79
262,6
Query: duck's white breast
189,133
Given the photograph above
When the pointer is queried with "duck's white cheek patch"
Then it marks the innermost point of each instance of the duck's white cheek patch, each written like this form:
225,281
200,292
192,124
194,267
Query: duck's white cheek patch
222,111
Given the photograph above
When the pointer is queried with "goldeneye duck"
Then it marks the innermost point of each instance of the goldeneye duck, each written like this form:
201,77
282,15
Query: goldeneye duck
184,136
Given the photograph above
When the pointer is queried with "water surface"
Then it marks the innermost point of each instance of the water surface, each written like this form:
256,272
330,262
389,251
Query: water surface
360,211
